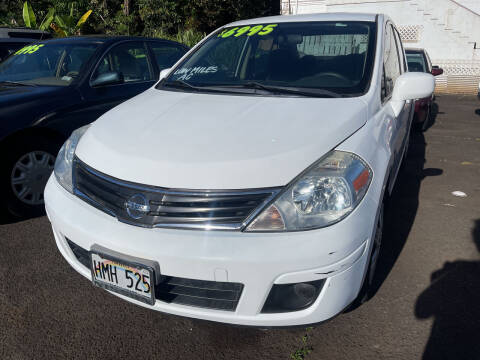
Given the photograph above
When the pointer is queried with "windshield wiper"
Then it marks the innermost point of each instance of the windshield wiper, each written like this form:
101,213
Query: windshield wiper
181,84
15,83
284,90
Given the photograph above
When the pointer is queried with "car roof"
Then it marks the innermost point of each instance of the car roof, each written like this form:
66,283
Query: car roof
7,32
17,40
308,17
100,39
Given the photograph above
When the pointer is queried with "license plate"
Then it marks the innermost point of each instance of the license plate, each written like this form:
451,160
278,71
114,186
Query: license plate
124,277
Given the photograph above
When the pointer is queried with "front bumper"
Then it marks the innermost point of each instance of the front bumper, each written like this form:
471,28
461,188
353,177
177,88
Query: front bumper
338,254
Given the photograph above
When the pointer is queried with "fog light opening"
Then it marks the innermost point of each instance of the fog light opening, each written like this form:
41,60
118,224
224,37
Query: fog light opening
292,297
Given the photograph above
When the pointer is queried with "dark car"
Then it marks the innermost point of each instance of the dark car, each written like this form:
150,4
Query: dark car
419,61
48,89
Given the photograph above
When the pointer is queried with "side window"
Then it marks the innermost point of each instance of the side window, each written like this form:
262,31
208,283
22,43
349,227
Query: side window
129,59
166,54
390,61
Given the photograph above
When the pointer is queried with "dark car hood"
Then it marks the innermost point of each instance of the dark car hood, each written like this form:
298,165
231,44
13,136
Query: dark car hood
11,95
23,106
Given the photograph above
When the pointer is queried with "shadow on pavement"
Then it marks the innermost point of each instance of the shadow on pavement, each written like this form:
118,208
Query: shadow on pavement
7,218
453,300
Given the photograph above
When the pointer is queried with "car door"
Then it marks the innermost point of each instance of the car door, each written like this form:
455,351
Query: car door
131,60
399,119
406,116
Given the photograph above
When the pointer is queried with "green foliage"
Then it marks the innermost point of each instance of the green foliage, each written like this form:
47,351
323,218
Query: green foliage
67,25
29,17
161,15
47,20
207,15
188,37
302,352
184,20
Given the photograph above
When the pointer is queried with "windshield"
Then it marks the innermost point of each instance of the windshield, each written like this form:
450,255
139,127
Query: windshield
416,62
314,57
56,64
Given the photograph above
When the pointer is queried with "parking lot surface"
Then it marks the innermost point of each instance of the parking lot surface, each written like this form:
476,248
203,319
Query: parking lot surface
427,303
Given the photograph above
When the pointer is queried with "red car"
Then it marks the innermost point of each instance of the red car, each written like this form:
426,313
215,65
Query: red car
419,61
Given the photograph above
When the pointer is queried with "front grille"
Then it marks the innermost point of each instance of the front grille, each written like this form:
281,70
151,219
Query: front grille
199,293
150,206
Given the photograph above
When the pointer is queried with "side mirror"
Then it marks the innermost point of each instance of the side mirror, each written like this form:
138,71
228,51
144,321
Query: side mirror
410,86
164,73
108,78
436,71
413,85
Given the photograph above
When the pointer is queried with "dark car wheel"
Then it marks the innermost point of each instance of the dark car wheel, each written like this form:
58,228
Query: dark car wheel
29,164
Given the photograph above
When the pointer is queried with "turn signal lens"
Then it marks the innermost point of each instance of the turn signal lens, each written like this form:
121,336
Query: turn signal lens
270,219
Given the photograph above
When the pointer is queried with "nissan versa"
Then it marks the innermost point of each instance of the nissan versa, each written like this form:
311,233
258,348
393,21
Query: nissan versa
248,185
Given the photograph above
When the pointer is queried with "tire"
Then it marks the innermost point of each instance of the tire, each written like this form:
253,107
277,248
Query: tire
368,287
426,122
23,177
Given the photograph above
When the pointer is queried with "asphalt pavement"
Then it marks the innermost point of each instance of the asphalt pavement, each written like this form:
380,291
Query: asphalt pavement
427,303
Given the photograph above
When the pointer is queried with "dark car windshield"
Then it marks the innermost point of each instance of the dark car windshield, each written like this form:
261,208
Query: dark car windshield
416,62
309,57
56,64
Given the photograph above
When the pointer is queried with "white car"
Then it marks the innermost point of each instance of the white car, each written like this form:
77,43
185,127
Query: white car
247,186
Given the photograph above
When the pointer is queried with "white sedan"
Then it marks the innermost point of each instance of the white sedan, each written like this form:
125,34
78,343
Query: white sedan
248,185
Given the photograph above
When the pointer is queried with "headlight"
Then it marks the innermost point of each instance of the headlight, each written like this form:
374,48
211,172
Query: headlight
325,194
64,161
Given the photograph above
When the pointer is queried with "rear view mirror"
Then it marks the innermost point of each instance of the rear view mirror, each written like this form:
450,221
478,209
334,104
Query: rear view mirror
164,73
108,78
436,71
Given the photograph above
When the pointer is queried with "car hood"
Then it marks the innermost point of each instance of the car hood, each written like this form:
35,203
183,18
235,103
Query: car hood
19,94
208,141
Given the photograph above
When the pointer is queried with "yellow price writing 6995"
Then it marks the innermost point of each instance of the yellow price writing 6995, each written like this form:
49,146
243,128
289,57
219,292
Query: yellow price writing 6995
29,49
248,30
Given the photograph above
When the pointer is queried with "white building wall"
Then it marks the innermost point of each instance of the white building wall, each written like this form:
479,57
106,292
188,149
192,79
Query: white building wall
473,5
448,29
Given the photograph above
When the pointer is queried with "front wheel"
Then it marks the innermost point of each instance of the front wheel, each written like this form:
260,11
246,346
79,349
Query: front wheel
367,290
29,164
